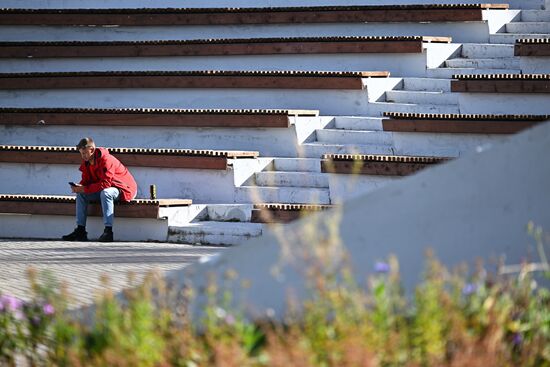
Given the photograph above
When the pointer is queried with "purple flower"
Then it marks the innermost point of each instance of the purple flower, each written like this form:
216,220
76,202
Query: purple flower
230,320
517,339
469,289
381,267
48,309
10,303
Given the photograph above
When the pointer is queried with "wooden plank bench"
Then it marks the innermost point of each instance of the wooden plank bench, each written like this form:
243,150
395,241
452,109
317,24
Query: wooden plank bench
65,205
219,47
501,83
236,16
133,157
151,117
382,165
532,47
283,213
459,123
190,79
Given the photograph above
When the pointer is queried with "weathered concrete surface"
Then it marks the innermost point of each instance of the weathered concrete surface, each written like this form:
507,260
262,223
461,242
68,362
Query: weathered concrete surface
80,264
475,206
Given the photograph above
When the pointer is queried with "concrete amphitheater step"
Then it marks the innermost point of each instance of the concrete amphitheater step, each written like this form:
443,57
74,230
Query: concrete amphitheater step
214,233
421,97
494,63
291,179
528,27
290,195
486,50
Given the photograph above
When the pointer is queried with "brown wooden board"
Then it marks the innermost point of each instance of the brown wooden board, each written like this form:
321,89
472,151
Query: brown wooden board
532,49
357,14
372,168
220,49
131,160
161,81
456,126
52,208
275,216
133,119
501,86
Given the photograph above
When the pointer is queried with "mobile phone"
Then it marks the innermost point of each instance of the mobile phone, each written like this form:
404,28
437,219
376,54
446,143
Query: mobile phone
72,183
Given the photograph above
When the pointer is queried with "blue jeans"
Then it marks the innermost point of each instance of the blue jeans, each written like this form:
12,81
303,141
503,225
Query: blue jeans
107,197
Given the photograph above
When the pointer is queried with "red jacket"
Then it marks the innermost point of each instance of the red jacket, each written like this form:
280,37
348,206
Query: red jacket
107,172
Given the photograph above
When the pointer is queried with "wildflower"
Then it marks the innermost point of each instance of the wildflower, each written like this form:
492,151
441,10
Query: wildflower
10,303
230,319
220,312
48,309
469,289
381,267
517,339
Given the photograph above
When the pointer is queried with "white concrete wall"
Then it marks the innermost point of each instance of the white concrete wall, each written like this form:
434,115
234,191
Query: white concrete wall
329,102
460,31
534,65
474,207
280,142
398,64
202,186
55,226
233,3
505,103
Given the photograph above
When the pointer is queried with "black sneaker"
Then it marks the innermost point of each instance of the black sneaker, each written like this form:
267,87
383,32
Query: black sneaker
76,235
107,236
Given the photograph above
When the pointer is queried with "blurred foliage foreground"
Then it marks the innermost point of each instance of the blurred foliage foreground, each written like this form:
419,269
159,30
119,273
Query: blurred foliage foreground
457,318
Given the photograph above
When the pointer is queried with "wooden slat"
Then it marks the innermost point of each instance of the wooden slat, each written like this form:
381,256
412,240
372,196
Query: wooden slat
128,159
377,165
210,79
532,49
501,86
218,47
283,213
456,126
162,17
152,117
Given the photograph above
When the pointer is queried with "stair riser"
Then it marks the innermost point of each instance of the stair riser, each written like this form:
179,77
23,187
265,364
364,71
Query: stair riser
483,63
538,27
349,123
318,149
535,16
425,98
511,38
294,195
209,239
285,179
353,137
426,84
297,165
380,108
486,51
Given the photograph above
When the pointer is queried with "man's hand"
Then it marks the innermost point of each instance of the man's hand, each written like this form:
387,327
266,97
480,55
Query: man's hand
77,189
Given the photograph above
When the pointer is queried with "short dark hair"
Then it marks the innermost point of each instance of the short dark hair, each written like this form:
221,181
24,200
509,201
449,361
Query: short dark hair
85,142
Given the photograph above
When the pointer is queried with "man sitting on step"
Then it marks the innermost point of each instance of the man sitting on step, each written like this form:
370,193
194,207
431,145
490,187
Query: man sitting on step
104,179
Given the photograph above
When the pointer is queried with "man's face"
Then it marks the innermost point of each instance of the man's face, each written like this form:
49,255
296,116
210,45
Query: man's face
87,153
